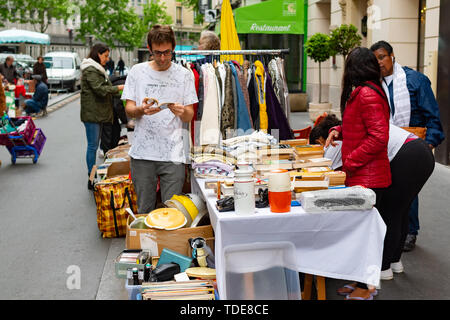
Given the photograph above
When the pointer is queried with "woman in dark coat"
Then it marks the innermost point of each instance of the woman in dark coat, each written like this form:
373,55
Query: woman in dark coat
96,99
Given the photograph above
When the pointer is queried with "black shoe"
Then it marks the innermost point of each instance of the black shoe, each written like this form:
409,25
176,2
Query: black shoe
410,243
90,185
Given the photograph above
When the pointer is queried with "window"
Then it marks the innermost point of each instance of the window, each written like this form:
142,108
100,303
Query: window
179,15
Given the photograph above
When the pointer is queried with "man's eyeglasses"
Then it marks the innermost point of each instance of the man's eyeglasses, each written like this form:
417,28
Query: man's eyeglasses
166,53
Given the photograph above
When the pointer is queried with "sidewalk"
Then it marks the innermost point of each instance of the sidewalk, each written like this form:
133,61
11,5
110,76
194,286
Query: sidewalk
427,267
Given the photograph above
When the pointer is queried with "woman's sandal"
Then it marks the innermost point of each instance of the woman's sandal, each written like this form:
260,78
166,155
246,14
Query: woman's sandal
370,297
349,288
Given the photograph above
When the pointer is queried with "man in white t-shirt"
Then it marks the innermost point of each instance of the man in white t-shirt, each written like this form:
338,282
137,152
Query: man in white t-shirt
160,146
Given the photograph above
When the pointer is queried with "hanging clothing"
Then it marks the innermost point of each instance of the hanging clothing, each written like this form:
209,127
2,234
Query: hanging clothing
210,129
276,117
260,78
285,90
197,80
253,96
243,120
227,113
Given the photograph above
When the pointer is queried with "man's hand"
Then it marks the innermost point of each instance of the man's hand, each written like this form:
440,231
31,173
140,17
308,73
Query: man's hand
148,109
333,135
177,109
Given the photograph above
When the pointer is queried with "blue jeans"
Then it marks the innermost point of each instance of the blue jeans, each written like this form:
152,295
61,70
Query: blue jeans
414,217
32,106
93,139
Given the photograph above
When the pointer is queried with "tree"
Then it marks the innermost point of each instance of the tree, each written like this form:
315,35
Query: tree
117,24
112,22
318,48
154,13
344,39
40,13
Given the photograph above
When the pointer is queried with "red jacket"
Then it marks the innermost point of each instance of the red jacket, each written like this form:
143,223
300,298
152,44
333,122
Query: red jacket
365,135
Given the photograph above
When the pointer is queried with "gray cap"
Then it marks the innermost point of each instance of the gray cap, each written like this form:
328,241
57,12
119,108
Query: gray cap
37,77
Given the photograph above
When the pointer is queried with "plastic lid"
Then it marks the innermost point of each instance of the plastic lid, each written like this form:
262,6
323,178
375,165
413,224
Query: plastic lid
278,171
166,218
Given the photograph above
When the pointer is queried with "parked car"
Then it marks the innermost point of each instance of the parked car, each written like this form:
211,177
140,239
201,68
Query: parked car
63,70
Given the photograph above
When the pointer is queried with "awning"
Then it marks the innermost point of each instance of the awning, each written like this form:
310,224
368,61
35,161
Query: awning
271,17
23,36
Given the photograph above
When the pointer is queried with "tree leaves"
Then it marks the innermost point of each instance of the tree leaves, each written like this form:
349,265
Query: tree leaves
318,47
344,39
116,23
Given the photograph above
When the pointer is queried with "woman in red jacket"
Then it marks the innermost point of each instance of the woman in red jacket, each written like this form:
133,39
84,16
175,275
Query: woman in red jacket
364,132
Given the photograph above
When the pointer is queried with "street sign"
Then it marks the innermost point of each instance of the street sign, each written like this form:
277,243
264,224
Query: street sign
210,15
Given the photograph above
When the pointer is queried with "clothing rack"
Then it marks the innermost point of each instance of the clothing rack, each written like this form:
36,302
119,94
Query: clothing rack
232,52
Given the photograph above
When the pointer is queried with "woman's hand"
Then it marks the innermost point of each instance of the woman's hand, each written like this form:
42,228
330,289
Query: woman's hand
333,135
120,87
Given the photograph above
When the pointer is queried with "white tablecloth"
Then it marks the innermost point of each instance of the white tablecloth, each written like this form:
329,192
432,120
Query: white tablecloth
343,245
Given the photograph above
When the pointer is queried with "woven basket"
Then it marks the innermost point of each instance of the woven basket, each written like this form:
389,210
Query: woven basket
418,131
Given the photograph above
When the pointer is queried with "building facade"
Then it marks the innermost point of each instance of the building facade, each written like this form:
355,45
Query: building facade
187,32
410,26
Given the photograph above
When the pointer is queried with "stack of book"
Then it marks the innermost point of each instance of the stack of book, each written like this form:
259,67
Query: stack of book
309,151
173,290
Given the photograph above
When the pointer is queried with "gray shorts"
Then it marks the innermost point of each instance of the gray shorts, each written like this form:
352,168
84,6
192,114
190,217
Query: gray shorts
144,174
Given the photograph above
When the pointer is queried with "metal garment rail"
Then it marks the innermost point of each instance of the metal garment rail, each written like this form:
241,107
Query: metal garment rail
232,52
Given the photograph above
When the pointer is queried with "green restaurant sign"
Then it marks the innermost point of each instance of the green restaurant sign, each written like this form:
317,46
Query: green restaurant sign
275,16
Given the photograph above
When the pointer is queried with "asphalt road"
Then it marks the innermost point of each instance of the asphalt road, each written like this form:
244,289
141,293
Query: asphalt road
50,245
51,248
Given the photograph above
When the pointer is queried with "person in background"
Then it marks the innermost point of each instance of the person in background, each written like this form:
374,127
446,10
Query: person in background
208,41
412,104
39,100
8,70
364,133
2,97
160,145
110,66
96,100
39,68
121,66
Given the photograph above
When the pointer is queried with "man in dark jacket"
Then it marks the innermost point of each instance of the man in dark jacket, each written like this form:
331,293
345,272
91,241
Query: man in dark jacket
39,100
121,66
39,68
412,104
8,70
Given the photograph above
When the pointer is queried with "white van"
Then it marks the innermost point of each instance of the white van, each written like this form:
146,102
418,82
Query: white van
63,70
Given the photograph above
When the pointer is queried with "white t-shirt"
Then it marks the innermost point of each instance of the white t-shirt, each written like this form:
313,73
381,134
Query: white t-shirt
159,137
397,137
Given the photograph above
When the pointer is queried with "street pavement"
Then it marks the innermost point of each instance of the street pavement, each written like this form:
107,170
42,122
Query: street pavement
51,248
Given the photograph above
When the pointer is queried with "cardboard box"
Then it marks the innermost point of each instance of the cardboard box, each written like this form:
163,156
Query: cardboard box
155,240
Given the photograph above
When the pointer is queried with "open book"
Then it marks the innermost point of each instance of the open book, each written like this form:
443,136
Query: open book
155,103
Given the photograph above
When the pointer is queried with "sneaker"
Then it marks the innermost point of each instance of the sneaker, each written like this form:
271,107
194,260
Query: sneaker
397,267
410,243
386,274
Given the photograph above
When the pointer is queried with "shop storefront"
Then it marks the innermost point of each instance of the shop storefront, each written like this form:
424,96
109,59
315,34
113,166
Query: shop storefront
276,24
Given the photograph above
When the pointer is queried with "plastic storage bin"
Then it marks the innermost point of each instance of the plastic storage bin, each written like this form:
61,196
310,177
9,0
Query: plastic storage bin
261,271
134,292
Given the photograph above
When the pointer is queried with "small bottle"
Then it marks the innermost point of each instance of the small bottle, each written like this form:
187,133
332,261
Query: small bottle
147,272
135,277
